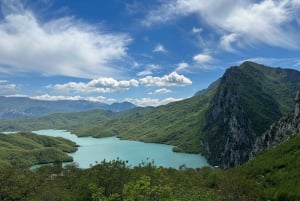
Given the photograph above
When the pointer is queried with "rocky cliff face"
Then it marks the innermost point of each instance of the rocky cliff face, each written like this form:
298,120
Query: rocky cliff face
280,131
248,100
228,144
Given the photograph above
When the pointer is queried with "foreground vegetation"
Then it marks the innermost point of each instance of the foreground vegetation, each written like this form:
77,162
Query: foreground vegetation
273,175
26,149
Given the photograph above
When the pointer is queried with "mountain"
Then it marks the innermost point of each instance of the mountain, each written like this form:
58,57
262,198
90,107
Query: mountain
280,131
118,107
249,99
22,107
65,121
222,122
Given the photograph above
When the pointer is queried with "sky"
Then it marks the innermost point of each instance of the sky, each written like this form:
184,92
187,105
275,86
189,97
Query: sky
146,52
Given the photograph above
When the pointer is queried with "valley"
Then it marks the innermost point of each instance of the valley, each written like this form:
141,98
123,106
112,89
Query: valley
138,100
222,123
246,123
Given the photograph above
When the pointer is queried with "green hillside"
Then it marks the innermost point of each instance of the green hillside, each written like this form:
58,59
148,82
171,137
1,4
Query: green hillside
221,122
276,171
26,149
176,123
70,121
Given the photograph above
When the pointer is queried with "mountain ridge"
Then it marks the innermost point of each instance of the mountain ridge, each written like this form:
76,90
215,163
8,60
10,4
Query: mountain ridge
249,99
24,107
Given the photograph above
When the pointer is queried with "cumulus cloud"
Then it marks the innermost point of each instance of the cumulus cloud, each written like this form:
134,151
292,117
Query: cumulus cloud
100,85
47,97
268,22
173,79
203,58
162,91
143,102
159,48
63,46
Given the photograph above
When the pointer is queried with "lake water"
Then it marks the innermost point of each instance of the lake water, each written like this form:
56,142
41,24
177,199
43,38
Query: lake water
110,148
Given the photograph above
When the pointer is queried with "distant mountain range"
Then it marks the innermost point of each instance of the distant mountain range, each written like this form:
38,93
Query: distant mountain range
226,122
22,107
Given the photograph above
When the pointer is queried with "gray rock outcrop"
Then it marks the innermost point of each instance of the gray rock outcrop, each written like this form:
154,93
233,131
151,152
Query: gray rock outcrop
280,131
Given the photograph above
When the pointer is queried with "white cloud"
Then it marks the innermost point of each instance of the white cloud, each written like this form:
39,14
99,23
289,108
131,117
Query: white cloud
173,79
3,81
100,85
153,66
227,41
143,102
47,97
162,91
181,66
63,46
268,21
148,70
203,58
17,95
196,30
159,48
144,72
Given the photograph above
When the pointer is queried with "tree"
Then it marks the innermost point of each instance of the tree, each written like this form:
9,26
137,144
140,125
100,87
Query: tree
142,190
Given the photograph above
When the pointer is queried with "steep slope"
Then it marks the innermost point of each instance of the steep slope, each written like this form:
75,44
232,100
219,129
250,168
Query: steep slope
248,100
280,131
22,107
276,170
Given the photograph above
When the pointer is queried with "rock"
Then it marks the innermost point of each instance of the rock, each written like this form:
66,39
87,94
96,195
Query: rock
230,144
280,131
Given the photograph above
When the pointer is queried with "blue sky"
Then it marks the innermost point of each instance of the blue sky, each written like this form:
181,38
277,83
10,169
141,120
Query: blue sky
146,52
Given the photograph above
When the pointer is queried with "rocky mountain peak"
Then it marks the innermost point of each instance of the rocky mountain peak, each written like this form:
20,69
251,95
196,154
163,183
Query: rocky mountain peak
248,100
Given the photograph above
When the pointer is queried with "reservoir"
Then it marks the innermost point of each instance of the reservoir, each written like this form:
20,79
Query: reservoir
94,150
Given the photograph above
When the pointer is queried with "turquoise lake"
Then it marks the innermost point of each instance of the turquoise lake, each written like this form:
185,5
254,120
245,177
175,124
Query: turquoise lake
94,150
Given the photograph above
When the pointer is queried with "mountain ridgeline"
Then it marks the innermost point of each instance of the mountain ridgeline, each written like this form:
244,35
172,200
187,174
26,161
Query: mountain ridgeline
23,107
223,122
248,100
